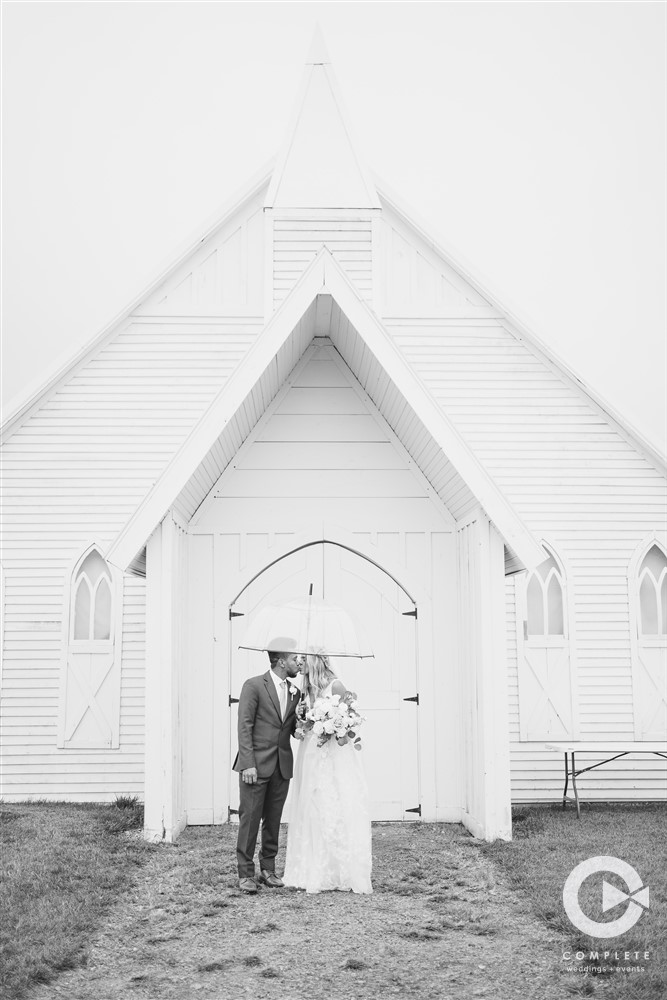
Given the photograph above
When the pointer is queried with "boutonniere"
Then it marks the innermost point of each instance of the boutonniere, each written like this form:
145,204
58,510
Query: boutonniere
293,690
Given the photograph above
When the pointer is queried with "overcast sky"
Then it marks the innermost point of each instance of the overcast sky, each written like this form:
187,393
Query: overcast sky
531,136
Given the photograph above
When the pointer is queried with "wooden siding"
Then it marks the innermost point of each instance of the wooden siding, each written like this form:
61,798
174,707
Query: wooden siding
245,419
32,767
321,450
224,277
576,478
415,281
424,451
73,472
296,242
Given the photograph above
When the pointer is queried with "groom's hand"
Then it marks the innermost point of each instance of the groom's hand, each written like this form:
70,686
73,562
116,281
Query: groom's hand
249,775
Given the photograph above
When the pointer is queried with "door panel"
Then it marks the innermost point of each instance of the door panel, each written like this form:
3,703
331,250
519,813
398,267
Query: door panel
390,735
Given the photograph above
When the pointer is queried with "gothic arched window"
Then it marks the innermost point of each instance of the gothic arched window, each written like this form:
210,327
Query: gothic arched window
545,600
92,599
653,593
89,714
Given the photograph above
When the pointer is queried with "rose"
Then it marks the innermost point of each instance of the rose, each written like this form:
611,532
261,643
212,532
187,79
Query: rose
329,726
318,728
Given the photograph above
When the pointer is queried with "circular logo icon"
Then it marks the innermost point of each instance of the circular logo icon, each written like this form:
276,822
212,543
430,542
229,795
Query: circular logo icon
636,897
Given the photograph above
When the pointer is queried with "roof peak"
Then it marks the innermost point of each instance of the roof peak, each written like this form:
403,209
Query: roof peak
319,166
318,54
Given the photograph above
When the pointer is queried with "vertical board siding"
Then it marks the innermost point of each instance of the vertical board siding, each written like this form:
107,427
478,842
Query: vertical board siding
297,242
414,280
224,276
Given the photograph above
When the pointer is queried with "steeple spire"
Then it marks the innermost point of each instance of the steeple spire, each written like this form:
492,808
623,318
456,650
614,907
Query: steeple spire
319,166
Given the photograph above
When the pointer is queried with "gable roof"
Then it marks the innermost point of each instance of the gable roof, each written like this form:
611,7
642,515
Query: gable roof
64,366
323,276
513,321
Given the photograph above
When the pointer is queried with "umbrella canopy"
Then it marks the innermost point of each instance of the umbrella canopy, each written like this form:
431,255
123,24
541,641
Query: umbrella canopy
306,625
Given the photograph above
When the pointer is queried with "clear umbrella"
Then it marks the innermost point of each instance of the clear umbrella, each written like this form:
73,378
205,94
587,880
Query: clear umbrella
306,625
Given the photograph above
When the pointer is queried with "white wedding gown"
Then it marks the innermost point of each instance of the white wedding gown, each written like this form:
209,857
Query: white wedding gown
329,832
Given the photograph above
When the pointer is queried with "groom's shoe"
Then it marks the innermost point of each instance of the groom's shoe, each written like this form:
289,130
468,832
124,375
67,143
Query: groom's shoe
247,885
271,879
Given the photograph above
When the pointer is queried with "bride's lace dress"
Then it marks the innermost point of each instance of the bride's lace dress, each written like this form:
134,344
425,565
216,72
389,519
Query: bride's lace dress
329,833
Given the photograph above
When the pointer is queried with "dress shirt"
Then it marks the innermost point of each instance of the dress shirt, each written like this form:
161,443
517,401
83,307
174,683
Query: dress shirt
281,688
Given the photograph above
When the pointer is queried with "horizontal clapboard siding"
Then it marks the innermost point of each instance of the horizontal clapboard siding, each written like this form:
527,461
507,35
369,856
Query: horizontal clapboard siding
571,473
74,473
244,420
297,242
32,767
412,434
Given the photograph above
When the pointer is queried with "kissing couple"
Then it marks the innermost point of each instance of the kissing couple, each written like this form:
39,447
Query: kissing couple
329,831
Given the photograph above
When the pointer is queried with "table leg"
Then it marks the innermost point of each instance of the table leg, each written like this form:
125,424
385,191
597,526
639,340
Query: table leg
574,788
567,778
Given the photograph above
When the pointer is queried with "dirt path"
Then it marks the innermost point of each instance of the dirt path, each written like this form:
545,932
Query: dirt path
440,924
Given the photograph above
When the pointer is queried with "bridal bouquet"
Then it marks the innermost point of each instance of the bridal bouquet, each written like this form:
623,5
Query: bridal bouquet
333,717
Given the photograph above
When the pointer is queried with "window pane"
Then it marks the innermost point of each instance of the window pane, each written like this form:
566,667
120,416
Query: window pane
655,561
545,568
93,566
82,611
555,606
102,625
648,605
663,601
535,607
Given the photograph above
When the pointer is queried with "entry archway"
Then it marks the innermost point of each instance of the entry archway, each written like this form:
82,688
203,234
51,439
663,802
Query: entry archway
387,685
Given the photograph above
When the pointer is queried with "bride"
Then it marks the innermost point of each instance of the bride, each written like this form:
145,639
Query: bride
329,833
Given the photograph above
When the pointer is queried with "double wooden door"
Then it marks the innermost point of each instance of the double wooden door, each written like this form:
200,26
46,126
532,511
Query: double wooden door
387,685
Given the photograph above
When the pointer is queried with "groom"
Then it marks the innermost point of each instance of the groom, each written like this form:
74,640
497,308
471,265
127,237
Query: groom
267,720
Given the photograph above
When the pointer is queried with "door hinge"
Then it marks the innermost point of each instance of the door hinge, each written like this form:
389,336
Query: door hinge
235,614
231,812
410,614
233,701
417,809
414,698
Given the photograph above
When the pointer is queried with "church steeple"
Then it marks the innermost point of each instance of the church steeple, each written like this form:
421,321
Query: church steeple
319,166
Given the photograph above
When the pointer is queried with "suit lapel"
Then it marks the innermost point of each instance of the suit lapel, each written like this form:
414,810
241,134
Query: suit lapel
273,694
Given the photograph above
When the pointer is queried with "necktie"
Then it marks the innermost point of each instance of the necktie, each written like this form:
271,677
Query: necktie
283,698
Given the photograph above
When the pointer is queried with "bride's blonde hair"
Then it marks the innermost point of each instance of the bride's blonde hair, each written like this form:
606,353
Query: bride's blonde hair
317,675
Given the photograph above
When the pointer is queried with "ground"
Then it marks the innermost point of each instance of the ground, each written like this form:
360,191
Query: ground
442,923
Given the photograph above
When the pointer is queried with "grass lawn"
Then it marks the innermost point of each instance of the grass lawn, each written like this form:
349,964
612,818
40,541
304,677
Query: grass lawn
441,922
548,843
62,867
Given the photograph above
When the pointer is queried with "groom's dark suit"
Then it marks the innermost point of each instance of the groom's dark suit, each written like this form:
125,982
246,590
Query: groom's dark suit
264,743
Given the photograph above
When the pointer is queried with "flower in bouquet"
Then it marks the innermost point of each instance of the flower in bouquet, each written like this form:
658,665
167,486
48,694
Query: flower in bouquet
331,717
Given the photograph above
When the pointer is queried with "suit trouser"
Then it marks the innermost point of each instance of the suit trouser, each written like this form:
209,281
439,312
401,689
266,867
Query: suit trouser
263,800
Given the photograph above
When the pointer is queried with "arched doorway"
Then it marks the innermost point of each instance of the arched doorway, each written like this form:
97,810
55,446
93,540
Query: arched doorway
387,685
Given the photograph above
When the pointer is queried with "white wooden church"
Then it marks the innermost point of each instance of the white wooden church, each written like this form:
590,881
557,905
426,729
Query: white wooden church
316,393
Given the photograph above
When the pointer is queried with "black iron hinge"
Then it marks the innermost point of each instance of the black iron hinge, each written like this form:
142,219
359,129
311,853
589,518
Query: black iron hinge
233,701
415,698
235,614
231,812
417,809
410,614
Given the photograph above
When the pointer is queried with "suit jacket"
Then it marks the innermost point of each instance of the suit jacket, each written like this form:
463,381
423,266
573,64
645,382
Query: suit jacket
264,737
